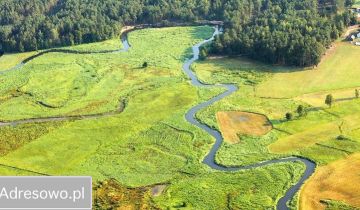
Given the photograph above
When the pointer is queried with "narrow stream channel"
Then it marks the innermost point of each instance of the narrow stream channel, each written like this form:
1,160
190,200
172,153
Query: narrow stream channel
210,158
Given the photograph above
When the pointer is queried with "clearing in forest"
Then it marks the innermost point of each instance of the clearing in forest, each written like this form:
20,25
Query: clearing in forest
234,123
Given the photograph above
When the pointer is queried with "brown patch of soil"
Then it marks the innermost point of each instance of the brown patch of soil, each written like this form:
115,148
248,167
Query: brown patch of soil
234,123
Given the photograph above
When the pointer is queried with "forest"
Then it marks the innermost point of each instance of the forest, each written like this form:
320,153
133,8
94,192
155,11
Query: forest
285,31
276,31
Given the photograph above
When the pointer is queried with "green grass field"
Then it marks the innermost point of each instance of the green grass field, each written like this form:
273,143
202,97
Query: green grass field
8,61
54,78
87,84
274,91
149,142
357,3
255,189
107,45
339,72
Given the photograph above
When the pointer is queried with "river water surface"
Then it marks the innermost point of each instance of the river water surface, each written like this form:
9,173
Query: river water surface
210,158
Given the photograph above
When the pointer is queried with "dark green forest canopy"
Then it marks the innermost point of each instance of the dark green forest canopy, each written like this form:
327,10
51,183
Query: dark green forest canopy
38,24
278,31
285,31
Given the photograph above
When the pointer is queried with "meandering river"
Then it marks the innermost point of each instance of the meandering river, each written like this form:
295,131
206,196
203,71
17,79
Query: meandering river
190,117
210,158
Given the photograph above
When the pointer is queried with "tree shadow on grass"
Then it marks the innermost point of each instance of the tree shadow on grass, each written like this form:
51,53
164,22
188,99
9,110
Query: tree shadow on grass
345,99
243,63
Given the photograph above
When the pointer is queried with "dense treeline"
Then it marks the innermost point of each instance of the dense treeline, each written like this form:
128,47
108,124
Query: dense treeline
277,31
283,32
37,24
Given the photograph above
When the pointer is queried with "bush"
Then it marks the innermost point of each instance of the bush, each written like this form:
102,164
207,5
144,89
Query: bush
289,116
342,138
329,100
300,110
145,65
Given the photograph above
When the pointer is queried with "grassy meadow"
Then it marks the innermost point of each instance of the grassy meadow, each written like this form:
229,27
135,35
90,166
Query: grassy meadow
9,61
339,71
64,81
357,3
254,189
323,134
148,143
73,84
151,143
107,45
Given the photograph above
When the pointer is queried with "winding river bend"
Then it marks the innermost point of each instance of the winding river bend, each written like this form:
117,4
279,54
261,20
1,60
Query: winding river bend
210,158
190,117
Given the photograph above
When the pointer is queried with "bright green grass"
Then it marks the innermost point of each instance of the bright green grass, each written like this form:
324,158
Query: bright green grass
317,132
8,61
253,189
113,146
107,45
357,3
6,171
144,135
87,84
250,150
149,143
245,74
157,96
339,70
313,136
240,71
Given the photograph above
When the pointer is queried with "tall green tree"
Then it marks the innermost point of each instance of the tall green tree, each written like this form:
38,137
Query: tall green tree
145,64
289,116
300,110
329,100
